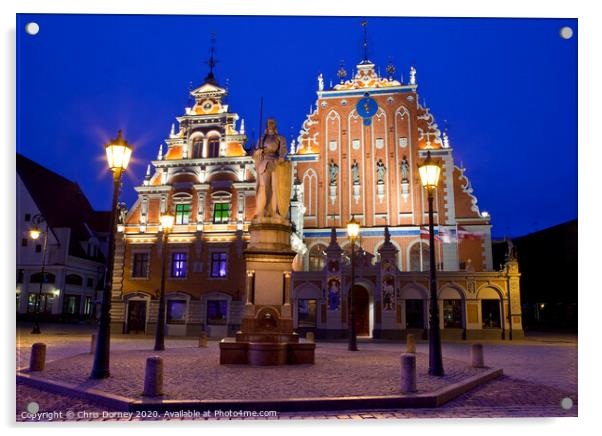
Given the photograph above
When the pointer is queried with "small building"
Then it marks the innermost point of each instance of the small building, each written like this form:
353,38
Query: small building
76,247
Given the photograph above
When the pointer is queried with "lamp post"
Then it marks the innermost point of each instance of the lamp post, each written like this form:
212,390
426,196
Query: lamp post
35,235
166,225
118,153
353,230
429,176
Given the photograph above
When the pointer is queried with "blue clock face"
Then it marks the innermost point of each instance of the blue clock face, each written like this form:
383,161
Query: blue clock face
366,108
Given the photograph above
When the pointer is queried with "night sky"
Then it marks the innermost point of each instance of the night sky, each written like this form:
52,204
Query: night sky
507,88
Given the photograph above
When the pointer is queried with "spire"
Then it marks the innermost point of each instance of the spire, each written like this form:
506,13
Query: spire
242,126
365,44
147,176
211,62
172,132
160,155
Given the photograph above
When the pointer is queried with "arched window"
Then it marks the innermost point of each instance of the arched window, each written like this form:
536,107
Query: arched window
197,147
419,257
74,279
317,257
48,277
214,146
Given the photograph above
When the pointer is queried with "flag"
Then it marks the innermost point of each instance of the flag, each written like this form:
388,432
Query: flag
447,236
464,233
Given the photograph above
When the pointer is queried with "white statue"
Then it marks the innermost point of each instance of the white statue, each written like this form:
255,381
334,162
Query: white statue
273,174
412,75
320,82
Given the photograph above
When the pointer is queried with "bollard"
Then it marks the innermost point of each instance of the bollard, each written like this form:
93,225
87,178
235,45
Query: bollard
37,360
93,344
410,344
203,340
310,337
477,356
153,377
408,373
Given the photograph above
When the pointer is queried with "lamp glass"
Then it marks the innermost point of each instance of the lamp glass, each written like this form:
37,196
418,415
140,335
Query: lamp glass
353,229
429,172
35,233
118,156
167,221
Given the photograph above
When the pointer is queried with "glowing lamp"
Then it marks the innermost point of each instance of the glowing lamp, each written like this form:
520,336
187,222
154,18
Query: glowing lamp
353,229
35,233
118,153
167,221
429,172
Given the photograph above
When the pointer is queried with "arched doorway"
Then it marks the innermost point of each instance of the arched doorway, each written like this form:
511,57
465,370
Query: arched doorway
361,306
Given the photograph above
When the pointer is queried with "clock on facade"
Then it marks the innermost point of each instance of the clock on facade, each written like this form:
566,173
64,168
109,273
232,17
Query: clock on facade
207,105
366,107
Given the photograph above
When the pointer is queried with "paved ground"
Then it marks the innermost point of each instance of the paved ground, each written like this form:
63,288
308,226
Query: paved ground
539,373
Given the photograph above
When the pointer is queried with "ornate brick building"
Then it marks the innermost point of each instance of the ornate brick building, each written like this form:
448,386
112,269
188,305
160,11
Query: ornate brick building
357,154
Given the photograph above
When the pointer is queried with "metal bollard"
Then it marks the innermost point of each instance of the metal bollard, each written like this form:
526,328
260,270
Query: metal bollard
153,377
408,373
37,360
310,337
93,344
410,344
476,352
203,340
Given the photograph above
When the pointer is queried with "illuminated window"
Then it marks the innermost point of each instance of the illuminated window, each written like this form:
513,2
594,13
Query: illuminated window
217,312
140,267
178,265
176,311
221,213
419,257
183,212
214,147
491,314
45,303
219,264
452,314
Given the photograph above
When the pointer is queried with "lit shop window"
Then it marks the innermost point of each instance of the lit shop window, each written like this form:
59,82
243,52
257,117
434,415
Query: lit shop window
217,312
221,213
183,212
452,314
219,265
45,303
178,265
491,314
176,311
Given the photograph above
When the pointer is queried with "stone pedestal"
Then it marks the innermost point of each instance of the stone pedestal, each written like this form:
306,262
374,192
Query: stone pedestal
266,336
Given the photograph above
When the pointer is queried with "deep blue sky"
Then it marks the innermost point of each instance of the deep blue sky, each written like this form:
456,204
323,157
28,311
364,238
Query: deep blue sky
507,87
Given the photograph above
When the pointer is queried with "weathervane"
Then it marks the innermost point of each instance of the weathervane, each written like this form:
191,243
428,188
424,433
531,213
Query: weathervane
342,72
390,69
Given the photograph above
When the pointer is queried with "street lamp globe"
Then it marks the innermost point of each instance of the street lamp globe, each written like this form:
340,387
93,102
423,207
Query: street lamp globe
353,229
167,221
118,153
429,172
35,233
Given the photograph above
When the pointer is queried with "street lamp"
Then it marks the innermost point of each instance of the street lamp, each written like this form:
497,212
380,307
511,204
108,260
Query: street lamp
118,153
167,221
35,234
353,231
429,176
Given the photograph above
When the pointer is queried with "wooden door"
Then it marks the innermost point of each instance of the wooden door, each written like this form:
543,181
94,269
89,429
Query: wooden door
361,304
136,316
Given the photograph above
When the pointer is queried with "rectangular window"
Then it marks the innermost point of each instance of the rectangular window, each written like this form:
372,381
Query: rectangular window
20,274
452,314
176,311
38,248
88,306
183,212
217,312
90,282
140,266
219,264
221,213
45,303
27,217
24,242
307,313
178,265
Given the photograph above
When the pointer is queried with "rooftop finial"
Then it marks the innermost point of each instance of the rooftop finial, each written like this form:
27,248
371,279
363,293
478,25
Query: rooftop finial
160,154
342,72
365,26
212,61
390,69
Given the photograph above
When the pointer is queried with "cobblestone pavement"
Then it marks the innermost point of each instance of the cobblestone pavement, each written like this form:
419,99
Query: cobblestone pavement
538,376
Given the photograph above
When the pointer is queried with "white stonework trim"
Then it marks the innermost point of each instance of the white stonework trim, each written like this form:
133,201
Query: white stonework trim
311,175
450,205
332,115
353,114
404,113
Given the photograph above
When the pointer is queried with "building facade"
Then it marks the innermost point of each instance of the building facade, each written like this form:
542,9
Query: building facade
356,155
74,263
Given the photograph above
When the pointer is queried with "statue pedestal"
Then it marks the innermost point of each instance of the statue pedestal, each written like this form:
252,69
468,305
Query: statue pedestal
266,336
